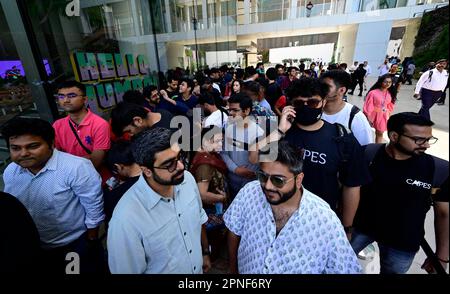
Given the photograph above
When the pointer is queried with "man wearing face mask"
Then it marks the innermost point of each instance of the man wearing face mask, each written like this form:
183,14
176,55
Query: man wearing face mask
332,157
276,226
395,203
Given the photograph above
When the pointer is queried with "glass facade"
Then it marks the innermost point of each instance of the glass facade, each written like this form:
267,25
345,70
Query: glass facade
116,45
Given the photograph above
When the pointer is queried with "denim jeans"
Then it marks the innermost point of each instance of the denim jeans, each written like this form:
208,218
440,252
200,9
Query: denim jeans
392,261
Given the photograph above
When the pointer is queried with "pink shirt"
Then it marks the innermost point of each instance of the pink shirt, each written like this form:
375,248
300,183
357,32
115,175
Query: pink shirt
93,131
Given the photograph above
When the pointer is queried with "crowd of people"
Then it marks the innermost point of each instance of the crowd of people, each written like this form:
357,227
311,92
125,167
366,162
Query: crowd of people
286,175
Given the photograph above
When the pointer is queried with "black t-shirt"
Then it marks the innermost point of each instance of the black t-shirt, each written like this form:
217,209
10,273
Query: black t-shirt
112,197
164,122
394,204
324,166
19,238
442,195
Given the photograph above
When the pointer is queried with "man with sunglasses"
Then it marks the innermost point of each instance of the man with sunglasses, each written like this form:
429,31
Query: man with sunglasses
332,158
394,204
279,227
81,133
157,226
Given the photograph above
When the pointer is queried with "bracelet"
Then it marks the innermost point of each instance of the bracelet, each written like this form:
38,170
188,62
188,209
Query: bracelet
441,260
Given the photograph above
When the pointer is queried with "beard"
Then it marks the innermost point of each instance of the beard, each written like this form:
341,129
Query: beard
414,152
173,180
283,196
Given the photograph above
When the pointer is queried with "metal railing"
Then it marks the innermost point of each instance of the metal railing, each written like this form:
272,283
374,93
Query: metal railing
430,9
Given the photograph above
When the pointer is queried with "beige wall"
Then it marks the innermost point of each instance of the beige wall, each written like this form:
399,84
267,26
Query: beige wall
346,45
408,39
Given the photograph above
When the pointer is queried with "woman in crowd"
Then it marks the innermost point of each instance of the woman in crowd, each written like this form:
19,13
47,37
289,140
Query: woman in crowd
379,105
236,87
210,171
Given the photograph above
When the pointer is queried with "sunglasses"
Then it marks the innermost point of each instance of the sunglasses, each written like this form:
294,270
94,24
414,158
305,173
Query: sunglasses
171,166
311,103
277,181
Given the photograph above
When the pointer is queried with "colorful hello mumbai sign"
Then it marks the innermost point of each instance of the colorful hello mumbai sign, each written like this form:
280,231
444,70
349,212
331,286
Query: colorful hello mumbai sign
108,76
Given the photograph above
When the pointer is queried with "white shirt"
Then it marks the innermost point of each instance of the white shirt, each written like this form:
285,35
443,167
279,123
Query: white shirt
64,198
438,81
217,118
313,240
360,126
352,68
217,87
383,69
151,234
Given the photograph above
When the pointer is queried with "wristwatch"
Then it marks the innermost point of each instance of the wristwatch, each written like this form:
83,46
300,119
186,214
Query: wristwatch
206,252
348,229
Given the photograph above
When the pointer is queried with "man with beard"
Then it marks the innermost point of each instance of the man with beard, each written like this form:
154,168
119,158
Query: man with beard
276,226
154,102
132,119
336,110
82,132
61,192
157,225
394,204
332,157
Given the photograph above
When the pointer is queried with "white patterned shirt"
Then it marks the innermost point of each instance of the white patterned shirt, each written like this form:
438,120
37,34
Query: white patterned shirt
313,240
64,198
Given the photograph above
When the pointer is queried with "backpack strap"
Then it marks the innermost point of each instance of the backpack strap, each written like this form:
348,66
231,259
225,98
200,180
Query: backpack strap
370,151
78,139
430,74
342,133
353,112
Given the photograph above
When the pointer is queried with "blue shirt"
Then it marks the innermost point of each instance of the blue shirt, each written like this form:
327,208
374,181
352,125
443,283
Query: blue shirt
64,198
151,234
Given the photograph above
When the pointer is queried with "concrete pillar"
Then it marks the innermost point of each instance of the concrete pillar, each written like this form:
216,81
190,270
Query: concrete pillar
293,10
369,48
411,3
136,22
246,11
187,18
345,47
409,37
205,14
218,13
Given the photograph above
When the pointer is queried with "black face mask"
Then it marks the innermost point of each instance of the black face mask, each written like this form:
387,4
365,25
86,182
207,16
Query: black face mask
307,116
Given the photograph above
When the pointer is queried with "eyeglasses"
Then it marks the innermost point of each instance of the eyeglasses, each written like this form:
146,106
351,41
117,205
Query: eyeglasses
171,166
277,181
311,103
421,141
68,95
